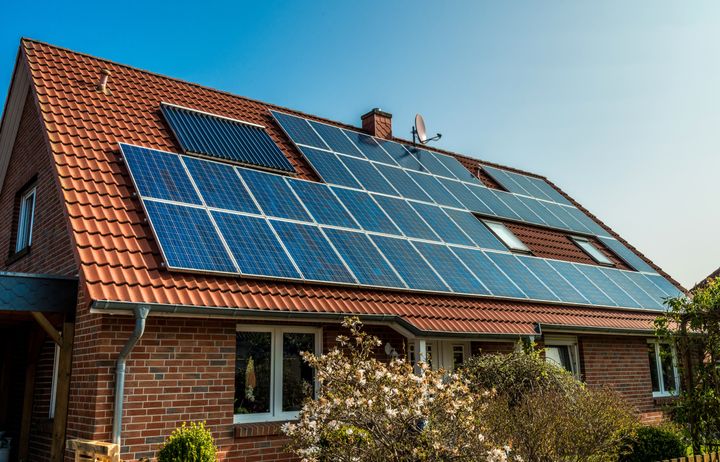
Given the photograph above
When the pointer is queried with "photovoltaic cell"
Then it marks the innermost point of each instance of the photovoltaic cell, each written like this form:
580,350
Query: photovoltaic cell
322,204
654,291
521,276
553,193
640,296
366,212
402,156
493,201
255,247
594,295
545,215
402,182
475,229
463,194
312,252
608,286
299,130
486,271
552,279
563,213
530,186
159,174
363,258
663,284
434,189
519,208
336,139
368,175
587,221
430,162
457,276
442,224
506,181
456,168
409,264
330,168
220,185
406,218
274,195
627,255
188,238
369,147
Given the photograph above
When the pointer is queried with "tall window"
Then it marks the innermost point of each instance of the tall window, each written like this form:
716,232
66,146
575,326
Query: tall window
663,368
26,215
271,378
507,237
563,351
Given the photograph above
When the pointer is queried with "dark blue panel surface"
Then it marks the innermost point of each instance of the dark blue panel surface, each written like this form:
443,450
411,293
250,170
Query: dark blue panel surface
450,268
365,211
402,156
553,193
493,201
274,195
408,262
632,289
430,162
526,215
442,224
654,291
402,182
159,174
299,130
188,238
587,221
255,247
539,209
457,168
215,136
485,270
220,185
608,286
369,147
363,258
627,255
563,214
506,181
521,276
529,186
582,283
368,175
406,218
434,189
552,279
312,253
336,139
330,168
473,227
663,284
464,195
322,204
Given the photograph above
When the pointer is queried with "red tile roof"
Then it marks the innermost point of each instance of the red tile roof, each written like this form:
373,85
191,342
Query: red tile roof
118,256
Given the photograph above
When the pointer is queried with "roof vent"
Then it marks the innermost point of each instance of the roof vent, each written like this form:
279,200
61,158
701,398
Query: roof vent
102,86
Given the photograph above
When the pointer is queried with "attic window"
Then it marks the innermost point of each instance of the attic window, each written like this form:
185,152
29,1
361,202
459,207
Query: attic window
591,250
503,233
26,215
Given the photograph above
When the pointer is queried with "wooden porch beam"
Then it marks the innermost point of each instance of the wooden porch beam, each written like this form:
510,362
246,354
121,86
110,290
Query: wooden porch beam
62,393
47,327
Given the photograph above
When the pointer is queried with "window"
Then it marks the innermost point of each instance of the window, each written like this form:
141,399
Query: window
506,236
53,387
271,378
25,220
663,368
563,351
449,355
591,250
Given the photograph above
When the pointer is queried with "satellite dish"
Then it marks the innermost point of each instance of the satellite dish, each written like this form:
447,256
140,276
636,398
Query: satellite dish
419,131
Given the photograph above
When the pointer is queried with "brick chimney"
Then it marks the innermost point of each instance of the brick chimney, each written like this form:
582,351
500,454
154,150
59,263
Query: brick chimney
377,123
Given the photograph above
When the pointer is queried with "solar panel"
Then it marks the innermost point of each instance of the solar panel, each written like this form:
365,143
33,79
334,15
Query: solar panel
402,156
627,255
456,168
543,212
563,213
664,285
220,186
409,264
159,174
619,296
475,229
406,218
336,139
434,189
529,186
589,290
506,181
587,222
552,279
299,130
187,238
254,245
274,195
402,182
447,265
645,284
463,194
368,175
495,206
322,204
632,289
430,162
442,225
225,138
329,167
365,211
487,272
369,147
312,253
549,191
363,258
519,208
521,276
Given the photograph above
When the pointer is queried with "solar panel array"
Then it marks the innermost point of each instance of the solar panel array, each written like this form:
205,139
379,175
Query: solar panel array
216,217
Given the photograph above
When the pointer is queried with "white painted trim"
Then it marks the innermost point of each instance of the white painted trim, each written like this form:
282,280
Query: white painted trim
53,388
13,113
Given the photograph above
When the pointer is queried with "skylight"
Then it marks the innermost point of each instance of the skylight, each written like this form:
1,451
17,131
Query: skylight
506,236
591,250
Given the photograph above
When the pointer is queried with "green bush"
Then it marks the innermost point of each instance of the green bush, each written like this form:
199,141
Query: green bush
649,443
189,443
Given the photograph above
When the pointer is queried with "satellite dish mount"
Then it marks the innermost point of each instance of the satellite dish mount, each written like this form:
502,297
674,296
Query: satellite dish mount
419,132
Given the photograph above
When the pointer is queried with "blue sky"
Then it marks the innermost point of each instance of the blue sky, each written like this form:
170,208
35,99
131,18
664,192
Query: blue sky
617,102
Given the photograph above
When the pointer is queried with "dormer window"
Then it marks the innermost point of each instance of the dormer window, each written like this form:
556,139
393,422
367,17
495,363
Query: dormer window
26,215
503,233
591,250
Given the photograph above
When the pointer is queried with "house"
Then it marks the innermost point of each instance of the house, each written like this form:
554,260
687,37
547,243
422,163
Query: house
172,249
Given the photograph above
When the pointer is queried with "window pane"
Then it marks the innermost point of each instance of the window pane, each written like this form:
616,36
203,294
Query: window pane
507,236
253,371
458,356
653,367
298,376
591,250
559,355
668,371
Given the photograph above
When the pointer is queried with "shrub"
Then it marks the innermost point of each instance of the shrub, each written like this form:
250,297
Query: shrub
189,443
371,411
648,443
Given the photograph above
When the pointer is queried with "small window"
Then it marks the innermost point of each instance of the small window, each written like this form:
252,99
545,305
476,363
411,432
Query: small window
663,368
564,353
26,215
53,387
506,236
271,378
591,250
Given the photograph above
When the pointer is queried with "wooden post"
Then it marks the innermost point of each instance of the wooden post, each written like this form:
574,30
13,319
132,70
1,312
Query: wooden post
34,347
62,393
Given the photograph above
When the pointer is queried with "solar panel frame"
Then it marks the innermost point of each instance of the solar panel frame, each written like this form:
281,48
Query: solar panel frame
471,231
366,211
487,272
452,270
627,255
493,204
608,286
219,185
461,192
582,284
403,183
430,162
529,186
543,212
525,279
553,280
517,206
368,176
299,130
506,181
330,168
445,228
336,140
456,168
632,289
410,264
322,204
274,195
550,191
401,155
369,147
406,218
435,189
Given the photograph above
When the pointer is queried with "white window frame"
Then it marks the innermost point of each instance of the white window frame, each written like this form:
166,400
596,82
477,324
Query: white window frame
53,387
572,343
506,236
26,218
592,251
440,352
658,364
276,336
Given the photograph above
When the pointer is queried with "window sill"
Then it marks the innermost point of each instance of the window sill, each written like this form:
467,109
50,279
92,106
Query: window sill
660,400
250,430
15,256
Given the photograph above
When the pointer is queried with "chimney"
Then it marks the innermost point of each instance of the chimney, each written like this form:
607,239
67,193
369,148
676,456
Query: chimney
377,123
102,85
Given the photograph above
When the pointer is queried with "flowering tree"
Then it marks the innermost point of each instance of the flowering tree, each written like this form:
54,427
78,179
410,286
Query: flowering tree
371,411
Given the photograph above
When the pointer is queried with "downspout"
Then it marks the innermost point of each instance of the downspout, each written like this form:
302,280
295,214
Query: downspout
141,314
